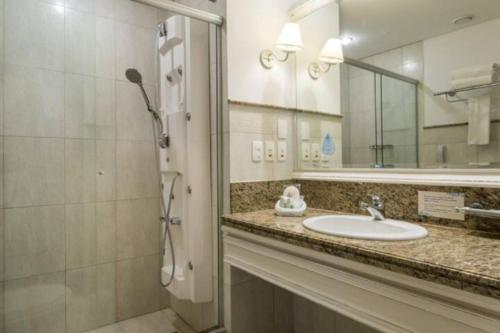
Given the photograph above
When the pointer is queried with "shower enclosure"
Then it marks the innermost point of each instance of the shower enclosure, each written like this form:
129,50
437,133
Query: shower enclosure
80,229
380,118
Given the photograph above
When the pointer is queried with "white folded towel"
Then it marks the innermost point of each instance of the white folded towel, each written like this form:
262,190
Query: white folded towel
479,120
486,70
475,81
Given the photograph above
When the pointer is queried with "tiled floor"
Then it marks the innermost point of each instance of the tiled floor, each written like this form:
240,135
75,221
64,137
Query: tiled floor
165,321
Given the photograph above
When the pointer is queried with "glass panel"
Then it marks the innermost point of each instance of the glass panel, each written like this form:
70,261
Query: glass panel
398,136
359,123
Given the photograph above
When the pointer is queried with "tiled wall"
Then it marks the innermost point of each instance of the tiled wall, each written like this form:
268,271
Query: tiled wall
80,212
249,123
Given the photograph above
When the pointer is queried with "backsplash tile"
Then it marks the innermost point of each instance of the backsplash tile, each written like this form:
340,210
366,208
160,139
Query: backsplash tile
400,200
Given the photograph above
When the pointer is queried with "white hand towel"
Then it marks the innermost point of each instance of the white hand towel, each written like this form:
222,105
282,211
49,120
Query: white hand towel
474,81
479,120
485,70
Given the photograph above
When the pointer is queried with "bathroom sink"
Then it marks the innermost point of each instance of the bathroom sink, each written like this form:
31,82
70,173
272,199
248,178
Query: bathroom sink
365,227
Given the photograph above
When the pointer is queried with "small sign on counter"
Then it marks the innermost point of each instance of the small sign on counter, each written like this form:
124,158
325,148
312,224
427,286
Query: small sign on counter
441,205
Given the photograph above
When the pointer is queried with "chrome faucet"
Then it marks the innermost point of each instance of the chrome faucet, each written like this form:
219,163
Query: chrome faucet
376,209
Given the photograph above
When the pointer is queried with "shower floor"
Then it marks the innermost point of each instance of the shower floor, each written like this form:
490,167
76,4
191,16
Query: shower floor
165,321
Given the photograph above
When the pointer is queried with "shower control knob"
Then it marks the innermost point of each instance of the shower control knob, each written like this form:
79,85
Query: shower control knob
100,172
188,116
190,265
189,189
179,70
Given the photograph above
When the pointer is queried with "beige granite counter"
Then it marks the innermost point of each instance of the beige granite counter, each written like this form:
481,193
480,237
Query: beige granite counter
457,257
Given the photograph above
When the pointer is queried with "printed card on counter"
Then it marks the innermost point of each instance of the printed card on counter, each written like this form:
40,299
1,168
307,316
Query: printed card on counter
441,205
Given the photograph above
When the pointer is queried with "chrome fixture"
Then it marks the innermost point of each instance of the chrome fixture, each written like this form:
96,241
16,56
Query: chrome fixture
454,93
289,41
134,76
477,209
463,19
376,208
331,54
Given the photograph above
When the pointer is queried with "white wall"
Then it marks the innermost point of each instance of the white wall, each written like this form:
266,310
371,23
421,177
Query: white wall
322,94
473,46
253,26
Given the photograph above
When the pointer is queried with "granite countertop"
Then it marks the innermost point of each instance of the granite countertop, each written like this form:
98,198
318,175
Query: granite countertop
457,257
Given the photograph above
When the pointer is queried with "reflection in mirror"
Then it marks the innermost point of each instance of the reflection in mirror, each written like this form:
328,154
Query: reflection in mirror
419,87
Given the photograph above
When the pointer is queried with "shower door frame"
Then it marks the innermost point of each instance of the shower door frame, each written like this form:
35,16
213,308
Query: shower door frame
379,74
218,119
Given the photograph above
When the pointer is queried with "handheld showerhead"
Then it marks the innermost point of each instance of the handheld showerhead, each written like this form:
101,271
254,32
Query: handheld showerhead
135,77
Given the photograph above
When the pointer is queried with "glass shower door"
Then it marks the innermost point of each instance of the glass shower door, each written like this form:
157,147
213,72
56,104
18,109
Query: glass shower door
397,123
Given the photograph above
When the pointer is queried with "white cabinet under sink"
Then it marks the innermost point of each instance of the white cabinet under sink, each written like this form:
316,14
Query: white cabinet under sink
384,300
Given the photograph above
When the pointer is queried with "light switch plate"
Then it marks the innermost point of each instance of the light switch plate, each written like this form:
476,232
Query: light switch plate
269,150
315,153
282,129
257,151
304,130
282,151
306,151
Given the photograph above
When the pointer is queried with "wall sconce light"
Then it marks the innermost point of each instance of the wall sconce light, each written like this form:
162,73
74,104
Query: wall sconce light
289,41
330,55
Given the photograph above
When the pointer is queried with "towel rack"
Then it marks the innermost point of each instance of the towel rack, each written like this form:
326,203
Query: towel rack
477,210
453,93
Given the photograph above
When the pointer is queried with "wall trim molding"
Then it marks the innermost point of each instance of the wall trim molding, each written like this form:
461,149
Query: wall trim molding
456,177
285,108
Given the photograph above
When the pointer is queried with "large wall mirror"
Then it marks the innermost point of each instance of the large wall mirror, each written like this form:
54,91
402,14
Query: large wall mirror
418,87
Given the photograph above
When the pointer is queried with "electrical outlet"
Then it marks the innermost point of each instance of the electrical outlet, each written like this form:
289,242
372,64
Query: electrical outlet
282,151
306,151
269,150
315,153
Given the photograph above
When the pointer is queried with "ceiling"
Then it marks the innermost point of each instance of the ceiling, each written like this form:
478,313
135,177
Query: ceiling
380,25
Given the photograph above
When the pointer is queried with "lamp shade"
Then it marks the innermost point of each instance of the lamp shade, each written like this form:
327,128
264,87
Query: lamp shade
290,39
332,52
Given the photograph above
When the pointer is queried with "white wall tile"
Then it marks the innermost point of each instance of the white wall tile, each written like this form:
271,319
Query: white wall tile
34,241
80,171
45,48
105,109
132,117
81,233
135,47
134,13
105,47
34,171
34,102
139,228
105,170
36,304
80,42
80,106
137,175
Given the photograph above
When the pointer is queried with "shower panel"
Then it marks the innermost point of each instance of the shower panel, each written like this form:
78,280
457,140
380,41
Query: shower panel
185,103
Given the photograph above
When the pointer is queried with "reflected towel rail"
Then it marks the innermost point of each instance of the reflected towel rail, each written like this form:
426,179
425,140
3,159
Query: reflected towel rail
454,92
477,210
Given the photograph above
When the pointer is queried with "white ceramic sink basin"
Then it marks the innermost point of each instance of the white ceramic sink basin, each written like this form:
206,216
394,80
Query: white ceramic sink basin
364,227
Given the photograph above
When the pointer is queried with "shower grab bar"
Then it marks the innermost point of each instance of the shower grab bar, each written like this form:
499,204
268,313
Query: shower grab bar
476,209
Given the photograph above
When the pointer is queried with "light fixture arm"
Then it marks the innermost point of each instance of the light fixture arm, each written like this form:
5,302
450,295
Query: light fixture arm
267,58
315,69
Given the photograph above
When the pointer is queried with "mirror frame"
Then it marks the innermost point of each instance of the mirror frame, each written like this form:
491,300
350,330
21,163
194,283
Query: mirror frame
487,178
